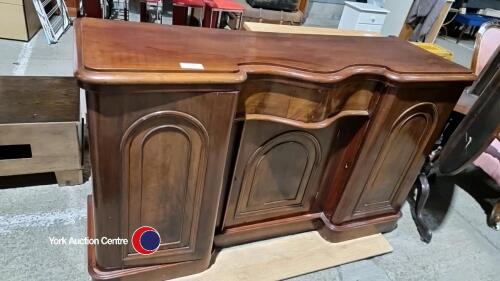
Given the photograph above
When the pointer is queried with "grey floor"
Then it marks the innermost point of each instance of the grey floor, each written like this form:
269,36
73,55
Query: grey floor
463,247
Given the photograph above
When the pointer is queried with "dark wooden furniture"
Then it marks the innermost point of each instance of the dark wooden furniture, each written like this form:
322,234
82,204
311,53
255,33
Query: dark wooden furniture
91,8
260,135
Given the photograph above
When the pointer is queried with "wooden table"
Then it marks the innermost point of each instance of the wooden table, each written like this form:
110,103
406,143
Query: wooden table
40,125
227,137
278,28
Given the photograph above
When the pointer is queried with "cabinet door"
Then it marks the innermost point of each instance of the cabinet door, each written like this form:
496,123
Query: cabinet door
164,162
275,174
158,158
389,164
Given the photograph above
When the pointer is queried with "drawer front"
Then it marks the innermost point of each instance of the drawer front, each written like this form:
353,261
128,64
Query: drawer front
368,18
369,27
307,104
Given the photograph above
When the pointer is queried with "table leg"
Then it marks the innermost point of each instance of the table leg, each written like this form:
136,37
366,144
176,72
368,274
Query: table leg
494,218
190,16
179,15
474,30
143,12
125,11
240,20
202,16
417,206
109,8
464,27
218,20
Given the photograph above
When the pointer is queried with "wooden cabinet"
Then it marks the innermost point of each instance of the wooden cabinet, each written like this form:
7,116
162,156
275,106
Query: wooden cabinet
258,140
395,147
362,17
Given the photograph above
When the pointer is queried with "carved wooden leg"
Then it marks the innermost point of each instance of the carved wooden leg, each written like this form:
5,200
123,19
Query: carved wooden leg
494,219
71,177
417,206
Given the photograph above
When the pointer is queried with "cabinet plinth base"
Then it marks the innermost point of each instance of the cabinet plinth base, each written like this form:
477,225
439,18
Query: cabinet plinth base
266,230
318,221
353,230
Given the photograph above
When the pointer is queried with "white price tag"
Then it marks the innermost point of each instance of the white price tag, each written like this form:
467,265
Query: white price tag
189,65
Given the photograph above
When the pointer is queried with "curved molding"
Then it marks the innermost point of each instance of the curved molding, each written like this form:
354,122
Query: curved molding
414,110
163,113
89,76
303,125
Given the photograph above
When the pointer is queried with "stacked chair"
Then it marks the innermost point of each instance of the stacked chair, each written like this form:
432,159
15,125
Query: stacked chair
212,12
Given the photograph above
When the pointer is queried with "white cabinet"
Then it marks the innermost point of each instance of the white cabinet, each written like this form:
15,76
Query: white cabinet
362,16
396,18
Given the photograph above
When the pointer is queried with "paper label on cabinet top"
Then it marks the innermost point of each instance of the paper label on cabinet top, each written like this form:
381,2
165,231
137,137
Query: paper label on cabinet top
189,65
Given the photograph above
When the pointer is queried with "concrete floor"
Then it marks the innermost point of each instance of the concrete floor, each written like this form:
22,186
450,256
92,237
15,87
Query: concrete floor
463,247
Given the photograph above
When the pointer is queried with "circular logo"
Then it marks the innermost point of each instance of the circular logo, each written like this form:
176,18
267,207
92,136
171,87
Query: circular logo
146,240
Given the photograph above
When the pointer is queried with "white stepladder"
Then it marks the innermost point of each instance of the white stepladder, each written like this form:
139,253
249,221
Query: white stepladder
53,15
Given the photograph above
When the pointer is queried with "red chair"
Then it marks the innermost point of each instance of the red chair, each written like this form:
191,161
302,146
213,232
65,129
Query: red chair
215,7
180,12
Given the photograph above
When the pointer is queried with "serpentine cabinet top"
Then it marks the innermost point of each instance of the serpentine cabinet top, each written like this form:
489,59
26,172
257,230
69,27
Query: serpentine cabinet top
110,52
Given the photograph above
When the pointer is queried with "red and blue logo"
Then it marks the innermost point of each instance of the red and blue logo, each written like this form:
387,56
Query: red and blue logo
146,240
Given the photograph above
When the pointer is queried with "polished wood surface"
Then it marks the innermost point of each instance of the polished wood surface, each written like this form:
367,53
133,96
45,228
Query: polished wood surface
34,99
277,134
227,58
298,29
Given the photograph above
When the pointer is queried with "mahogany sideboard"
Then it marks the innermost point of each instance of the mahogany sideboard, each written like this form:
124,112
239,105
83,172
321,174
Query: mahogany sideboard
217,137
